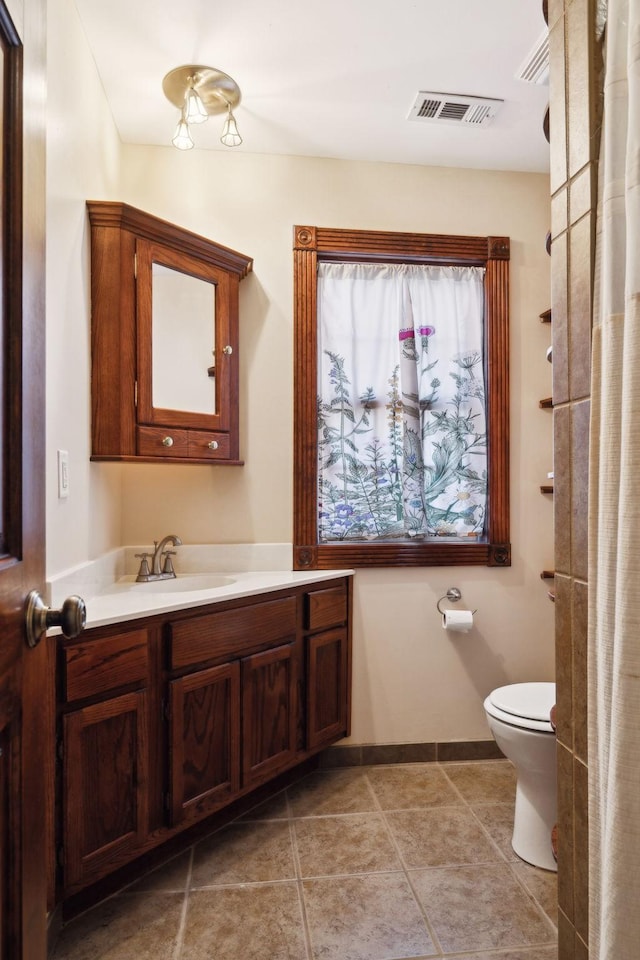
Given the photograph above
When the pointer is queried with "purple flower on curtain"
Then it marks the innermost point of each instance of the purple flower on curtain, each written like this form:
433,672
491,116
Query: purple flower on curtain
408,333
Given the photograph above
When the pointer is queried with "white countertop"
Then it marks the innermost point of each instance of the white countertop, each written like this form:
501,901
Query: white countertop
111,594
129,600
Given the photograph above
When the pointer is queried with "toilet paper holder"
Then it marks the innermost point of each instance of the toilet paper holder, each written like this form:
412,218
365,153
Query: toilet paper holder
452,595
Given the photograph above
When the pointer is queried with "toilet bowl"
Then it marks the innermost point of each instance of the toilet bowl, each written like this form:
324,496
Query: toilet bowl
518,717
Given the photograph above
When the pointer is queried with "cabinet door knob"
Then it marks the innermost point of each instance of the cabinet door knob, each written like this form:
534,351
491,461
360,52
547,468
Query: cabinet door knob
213,445
71,617
228,350
167,442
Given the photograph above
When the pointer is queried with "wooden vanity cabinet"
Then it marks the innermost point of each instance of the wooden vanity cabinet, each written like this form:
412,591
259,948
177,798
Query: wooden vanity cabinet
164,721
156,290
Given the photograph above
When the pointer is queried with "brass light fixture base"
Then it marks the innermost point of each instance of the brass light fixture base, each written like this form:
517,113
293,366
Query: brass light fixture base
217,90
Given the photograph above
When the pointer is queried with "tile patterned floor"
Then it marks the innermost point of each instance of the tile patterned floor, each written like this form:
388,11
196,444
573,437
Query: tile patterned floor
404,862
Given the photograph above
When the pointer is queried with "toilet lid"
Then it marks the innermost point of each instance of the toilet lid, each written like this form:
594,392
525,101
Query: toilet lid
532,701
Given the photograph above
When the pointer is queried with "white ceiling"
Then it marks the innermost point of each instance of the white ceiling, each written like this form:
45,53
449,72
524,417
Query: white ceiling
335,78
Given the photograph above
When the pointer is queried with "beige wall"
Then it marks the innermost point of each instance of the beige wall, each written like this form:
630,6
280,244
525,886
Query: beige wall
83,162
412,682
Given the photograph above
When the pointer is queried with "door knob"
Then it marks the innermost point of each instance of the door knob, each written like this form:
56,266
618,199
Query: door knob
71,618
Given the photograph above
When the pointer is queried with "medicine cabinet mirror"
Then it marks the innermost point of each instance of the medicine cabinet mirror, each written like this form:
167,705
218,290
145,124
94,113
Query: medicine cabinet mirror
164,340
181,381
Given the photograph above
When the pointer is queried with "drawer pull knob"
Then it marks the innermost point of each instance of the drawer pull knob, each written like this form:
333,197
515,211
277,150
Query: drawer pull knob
213,445
167,442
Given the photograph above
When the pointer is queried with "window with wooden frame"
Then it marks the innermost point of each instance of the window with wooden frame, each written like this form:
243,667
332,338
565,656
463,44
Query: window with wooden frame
487,543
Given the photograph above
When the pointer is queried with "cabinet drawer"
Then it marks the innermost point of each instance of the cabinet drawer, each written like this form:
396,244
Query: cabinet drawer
150,442
95,666
326,608
199,448
184,443
231,633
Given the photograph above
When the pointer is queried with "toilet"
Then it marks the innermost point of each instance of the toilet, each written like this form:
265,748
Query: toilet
519,719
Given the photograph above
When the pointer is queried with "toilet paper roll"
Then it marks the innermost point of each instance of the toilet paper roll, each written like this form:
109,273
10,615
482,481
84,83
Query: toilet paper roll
459,621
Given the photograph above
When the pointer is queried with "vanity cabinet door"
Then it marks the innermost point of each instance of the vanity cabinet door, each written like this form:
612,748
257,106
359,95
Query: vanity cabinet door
268,713
204,722
106,786
327,687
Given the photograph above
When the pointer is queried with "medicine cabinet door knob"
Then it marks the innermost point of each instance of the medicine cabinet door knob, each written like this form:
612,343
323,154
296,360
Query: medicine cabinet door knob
228,350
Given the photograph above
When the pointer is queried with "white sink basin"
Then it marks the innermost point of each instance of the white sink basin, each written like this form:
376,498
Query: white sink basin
182,583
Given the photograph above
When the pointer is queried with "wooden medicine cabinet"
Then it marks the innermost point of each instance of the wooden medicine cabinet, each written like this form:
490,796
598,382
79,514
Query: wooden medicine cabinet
164,340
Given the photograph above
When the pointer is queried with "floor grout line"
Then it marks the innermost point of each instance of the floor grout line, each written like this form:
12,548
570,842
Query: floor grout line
182,927
421,908
531,895
299,887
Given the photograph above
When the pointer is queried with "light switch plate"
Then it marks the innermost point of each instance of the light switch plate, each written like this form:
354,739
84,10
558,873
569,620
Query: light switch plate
63,474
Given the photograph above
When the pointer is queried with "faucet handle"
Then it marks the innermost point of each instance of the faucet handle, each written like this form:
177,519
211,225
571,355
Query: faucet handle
168,563
144,565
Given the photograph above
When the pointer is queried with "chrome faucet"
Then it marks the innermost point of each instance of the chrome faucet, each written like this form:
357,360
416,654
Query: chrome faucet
160,556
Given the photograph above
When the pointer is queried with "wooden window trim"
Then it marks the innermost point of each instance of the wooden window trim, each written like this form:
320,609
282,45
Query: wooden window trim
313,245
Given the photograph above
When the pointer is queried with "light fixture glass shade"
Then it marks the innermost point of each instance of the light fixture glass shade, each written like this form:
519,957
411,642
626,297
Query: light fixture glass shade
230,136
194,108
182,138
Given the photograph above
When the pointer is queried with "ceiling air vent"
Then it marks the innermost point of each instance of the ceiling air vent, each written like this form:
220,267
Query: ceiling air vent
535,68
454,108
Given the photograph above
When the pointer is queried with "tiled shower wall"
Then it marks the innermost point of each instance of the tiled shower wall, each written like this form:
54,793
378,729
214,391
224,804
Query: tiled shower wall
575,78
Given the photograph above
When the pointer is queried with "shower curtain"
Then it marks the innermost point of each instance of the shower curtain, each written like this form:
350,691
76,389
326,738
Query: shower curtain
614,509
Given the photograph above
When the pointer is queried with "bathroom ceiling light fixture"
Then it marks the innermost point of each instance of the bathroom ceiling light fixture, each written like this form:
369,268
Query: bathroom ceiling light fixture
182,137
194,109
230,135
200,92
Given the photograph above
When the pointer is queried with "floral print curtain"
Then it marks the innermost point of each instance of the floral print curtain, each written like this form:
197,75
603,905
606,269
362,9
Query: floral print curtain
401,407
